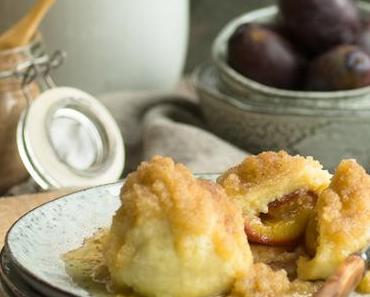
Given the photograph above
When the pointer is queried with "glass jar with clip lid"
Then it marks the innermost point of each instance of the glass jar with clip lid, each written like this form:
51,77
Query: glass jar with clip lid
13,101
66,137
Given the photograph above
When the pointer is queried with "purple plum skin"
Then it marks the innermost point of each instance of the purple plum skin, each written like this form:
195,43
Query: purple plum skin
343,68
259,53
319,25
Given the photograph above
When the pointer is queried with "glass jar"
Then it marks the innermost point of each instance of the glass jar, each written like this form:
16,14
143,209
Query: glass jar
14,98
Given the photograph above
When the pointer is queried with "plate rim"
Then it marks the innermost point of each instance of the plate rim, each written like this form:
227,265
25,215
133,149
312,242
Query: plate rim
8,282
26,271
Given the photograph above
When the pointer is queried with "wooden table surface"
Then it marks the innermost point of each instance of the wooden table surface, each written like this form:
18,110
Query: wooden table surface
11,208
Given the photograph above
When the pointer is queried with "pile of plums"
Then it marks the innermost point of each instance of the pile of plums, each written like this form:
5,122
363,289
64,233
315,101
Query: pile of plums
316,45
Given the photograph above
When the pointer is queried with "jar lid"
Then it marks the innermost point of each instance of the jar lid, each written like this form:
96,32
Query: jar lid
67,138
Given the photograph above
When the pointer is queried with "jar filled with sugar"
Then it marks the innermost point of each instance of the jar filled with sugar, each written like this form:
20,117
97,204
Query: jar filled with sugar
60,136
13,101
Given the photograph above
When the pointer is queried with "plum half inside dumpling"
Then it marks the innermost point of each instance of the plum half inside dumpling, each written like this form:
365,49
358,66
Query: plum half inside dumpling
340,225
277,193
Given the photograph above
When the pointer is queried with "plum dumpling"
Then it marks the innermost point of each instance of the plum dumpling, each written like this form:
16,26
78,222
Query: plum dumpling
340,225
175,235
277,193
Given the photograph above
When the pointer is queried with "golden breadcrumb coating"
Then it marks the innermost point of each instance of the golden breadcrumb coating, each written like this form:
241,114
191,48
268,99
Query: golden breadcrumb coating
364,286
342,219
86,267
174,235
261,179
278,258
86,259
265,282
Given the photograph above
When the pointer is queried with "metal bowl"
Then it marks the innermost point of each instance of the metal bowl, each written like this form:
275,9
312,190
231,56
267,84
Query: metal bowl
328,134
234,83
329,126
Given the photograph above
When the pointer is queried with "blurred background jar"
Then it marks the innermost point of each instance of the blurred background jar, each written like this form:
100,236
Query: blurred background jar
13,100
114,45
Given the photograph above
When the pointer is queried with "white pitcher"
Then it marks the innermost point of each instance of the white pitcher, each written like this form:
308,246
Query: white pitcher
113,44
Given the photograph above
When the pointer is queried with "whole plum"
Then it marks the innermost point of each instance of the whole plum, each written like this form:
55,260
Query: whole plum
363,39
342,68
319,25
261,54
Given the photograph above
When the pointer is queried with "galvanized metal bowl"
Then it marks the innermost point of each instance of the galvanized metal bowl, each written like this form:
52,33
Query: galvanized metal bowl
328,134
329,126
234,83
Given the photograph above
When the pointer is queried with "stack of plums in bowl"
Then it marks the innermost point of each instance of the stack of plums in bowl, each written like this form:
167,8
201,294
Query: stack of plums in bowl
314,45
293,76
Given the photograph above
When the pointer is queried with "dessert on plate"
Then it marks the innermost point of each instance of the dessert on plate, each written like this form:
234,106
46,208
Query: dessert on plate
175,235
340,225
244,235
277,193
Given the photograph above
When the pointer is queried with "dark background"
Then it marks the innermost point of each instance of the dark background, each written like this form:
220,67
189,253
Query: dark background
207,19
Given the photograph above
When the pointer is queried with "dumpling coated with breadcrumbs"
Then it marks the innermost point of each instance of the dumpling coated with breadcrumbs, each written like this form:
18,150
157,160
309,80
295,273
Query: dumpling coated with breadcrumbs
175,235
341,224
268,176
277,193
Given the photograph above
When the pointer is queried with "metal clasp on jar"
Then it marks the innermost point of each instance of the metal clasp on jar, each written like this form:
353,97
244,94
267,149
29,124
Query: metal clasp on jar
36,69
66,137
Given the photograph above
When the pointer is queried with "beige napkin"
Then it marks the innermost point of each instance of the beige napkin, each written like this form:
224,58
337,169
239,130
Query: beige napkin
169,124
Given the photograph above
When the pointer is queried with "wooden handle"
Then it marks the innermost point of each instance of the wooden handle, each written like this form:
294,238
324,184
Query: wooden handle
345,279
22,32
